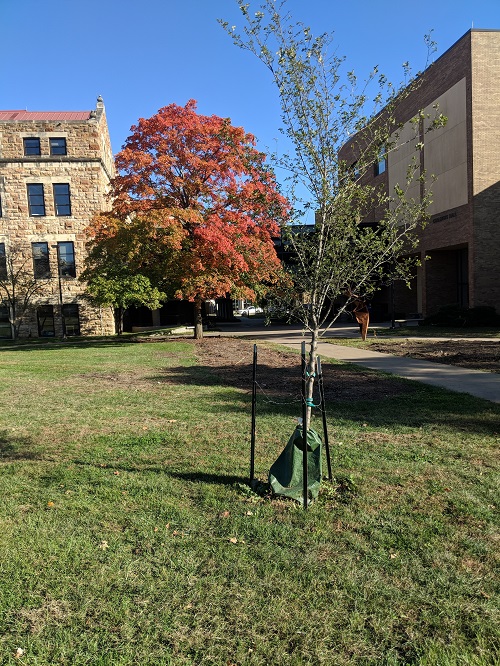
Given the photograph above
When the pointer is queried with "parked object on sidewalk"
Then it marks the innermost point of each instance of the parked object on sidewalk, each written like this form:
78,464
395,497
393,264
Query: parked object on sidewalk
251,310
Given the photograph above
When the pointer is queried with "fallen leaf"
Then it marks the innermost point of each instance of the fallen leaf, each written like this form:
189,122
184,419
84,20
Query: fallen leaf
116,473
171,421
50,504
233,540
249,513
393,556
224,514
18,653
156,529
103,545
167,526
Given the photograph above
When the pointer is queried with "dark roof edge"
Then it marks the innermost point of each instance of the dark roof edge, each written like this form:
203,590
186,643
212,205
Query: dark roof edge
470,30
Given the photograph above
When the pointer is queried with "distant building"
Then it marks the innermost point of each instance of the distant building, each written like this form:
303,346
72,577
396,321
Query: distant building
462,238
55,172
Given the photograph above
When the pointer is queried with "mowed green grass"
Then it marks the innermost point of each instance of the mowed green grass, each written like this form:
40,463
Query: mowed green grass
128,534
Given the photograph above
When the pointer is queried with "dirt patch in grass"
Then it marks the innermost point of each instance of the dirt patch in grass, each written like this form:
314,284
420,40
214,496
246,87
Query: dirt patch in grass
128,379
278,373
51,612
475,354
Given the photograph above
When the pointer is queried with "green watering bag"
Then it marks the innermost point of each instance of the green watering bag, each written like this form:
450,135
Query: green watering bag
285,476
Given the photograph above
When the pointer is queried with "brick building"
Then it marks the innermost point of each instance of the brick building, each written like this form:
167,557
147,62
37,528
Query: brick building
462,237
55,171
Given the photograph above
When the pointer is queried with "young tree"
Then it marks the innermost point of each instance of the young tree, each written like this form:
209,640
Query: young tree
18,287
198,187
141,243
122,291
335,140
119,253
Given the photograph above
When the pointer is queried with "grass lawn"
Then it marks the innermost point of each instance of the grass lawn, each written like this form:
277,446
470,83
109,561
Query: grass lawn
128,535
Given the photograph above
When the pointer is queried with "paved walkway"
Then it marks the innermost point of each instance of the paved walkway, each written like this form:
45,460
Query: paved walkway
484,385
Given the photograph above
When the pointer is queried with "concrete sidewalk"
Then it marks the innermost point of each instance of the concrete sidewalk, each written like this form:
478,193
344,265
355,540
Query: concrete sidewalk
484,385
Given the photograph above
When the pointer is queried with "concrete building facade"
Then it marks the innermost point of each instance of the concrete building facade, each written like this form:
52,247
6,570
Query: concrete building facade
462,237
55,172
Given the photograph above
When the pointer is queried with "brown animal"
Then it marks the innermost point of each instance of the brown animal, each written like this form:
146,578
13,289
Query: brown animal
362,314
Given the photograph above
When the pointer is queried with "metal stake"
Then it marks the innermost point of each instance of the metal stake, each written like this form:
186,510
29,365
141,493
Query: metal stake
254,406
321,386
305,427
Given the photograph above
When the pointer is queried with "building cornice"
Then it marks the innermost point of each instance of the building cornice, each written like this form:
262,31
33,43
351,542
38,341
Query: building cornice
56,160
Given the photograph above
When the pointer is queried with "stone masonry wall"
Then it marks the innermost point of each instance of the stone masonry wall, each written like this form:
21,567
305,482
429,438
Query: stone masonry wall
87,168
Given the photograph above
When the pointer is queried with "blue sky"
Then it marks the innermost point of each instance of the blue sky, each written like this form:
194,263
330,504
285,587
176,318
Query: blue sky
140,56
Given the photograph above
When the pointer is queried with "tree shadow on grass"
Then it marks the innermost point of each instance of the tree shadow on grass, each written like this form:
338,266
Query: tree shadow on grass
351,393
41,344
204,477
343,383
13,448
193,477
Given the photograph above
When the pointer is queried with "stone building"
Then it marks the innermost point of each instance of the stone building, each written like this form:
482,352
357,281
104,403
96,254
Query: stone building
55,172
462,237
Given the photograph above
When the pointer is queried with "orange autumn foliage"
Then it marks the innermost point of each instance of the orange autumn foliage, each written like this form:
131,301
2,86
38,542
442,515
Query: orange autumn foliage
201,185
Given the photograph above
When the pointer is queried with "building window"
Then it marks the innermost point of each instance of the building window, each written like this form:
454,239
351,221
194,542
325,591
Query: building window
354,172
36,201
71,319
3,262
5,327
1,214
57,146
45,318
31,146
41,266
62,202
381,164
66,256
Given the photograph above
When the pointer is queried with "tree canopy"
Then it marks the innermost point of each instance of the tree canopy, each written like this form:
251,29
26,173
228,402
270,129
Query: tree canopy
195,208
338,127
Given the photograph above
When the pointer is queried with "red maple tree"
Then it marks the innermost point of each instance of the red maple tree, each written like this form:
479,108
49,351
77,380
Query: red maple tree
203,182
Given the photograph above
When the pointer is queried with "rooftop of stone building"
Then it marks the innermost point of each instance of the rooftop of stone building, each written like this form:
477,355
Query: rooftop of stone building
44,115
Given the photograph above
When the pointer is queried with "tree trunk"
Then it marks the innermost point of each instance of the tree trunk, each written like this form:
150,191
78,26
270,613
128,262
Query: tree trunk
119,320
198,319
12,321
311,369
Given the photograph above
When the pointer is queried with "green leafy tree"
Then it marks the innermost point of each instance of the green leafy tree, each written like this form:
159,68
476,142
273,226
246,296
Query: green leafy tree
119,255
122,291
338,128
